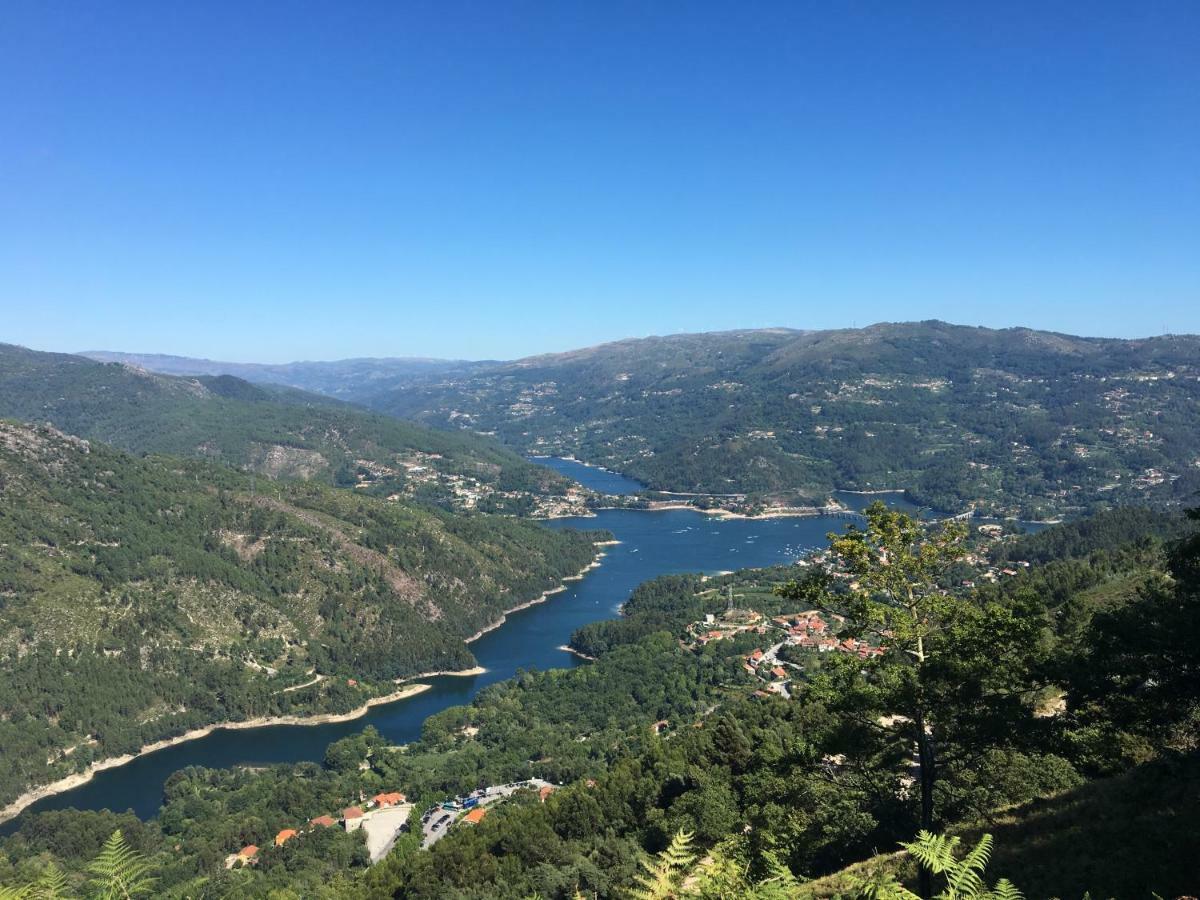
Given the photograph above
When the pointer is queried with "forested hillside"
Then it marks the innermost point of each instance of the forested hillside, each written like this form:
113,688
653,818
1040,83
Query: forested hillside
275,431
1014,421
1066,726
142,597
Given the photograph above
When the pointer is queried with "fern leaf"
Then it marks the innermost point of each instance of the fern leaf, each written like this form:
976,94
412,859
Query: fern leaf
119,873
1006,890
661,875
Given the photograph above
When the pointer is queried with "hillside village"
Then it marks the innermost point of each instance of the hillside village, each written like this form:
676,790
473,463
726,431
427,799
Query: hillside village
417,476
816,632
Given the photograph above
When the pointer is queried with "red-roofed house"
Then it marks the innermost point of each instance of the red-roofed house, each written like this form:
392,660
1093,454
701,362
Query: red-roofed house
323,821
248,855
475,816
545,792
779,672
284,836
352,816
392,798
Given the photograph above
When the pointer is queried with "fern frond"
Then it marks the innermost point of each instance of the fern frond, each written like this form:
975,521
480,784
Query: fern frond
119,873
661,875
1006,890
51,885
933,851
18,893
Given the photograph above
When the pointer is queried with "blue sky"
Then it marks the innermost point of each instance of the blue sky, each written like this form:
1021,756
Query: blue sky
275,181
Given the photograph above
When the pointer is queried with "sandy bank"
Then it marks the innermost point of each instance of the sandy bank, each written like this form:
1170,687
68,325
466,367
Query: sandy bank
569,649
81,778
541,598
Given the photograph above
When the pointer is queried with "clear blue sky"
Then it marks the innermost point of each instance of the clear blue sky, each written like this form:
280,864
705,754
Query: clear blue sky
273,181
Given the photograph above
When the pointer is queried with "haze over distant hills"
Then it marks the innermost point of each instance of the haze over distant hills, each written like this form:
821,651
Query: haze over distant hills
1008,421
343,378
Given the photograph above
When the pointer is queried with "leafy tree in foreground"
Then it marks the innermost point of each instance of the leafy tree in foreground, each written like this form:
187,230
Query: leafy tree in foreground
896,568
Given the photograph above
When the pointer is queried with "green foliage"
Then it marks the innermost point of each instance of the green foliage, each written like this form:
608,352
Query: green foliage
662,875
141,598
119,873
939,854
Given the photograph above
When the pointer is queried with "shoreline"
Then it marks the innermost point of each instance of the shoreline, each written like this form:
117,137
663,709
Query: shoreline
567,648
545,595
78,779
783,512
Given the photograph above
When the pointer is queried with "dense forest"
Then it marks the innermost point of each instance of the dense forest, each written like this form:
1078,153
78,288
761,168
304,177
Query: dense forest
1065,715
143,597
275,431
1013,422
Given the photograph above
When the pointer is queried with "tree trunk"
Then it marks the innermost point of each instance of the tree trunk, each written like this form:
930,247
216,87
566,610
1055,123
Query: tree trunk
928,774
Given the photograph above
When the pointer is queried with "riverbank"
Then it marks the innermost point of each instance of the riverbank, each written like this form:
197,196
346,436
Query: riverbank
778,512
567,648
409,689
70,782
545,595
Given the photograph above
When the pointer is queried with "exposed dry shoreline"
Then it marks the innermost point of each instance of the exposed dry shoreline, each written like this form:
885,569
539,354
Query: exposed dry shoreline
780,512
545,595
70,782
569,649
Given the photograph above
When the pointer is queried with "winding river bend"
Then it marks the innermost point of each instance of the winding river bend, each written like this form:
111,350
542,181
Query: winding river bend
652,544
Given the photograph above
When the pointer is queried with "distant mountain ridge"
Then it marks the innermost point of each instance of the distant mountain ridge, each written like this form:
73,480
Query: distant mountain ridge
276,431
339,378
1007,421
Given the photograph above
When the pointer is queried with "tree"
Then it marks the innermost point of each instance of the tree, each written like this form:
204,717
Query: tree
1140,666
895,568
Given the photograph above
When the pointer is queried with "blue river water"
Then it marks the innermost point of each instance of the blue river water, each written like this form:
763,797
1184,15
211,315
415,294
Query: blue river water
652,544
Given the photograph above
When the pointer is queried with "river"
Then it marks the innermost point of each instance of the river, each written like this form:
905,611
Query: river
652,544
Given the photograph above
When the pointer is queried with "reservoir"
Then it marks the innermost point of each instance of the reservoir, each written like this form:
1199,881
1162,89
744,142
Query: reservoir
652,543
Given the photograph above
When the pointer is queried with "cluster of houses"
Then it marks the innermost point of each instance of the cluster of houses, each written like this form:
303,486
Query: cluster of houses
810,631
421,471
352,818
732,622
767,667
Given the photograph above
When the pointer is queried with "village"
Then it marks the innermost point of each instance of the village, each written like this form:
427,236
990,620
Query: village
816,631
419,475
384,817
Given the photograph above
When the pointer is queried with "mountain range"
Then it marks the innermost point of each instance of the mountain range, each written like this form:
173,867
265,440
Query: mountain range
1003,421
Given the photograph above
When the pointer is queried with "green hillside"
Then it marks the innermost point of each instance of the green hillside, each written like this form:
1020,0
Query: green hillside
279,432
663,733
140,598
1009,421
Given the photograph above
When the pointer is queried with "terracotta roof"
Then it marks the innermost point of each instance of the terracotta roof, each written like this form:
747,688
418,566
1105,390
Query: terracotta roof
476,815
352,812
391,798
546,791
324,821
248,852
284,836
